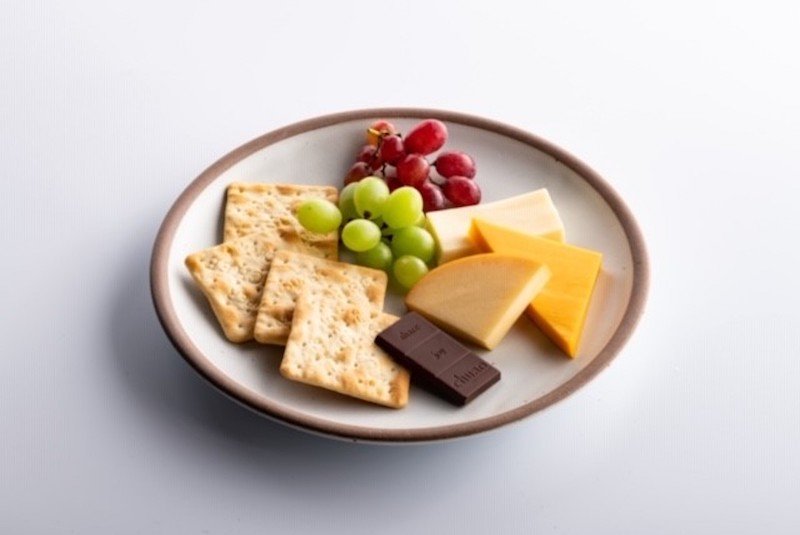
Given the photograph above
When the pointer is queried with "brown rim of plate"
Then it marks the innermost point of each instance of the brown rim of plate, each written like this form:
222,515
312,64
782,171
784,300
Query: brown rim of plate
166,313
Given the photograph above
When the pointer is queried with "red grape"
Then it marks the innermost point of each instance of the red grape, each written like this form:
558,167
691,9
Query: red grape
368,154
462,191
391,149
378,129
455,164
358,171
432,197
365,154
427,137
393,182
413,170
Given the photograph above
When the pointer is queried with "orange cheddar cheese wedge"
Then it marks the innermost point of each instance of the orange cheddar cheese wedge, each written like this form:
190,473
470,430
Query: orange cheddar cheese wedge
560,308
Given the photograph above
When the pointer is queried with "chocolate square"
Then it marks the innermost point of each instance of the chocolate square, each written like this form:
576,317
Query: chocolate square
437,361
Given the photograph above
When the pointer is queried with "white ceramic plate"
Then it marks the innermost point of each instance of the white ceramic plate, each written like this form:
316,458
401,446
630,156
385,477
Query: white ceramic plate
535,374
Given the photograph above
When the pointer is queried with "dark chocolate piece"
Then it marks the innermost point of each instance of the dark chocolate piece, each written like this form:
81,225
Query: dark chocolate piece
436,360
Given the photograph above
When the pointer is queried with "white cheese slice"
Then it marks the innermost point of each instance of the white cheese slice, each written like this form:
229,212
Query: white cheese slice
532,213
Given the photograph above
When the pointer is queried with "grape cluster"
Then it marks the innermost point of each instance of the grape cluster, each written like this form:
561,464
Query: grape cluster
401,161
385,229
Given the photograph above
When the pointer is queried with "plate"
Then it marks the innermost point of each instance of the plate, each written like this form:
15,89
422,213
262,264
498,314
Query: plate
535,374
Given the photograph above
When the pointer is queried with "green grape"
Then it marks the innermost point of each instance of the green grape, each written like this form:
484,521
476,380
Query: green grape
346,203
408,270
403,207
386,230
361,235
369,195
413,241
421,221
379,257
319,215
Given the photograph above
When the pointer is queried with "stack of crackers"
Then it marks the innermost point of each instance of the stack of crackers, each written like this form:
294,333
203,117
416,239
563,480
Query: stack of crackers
273,281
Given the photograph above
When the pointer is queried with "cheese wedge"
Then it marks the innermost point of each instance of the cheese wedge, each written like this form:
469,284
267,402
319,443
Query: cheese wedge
479,297
560,308
531,212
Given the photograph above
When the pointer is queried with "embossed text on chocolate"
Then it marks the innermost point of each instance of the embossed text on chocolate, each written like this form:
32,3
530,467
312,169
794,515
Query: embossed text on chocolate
464,378
405,334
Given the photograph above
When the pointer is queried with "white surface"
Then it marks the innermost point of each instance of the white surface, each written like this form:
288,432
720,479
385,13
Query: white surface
531,366
689,109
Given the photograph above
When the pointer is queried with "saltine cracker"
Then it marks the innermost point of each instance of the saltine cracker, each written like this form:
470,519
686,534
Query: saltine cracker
292,273
271,209
332,346
232,275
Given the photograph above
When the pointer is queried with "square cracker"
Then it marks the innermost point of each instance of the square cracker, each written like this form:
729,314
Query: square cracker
232,274
292,273
271,209
332,345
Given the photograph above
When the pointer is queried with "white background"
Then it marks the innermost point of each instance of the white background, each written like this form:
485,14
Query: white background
691,110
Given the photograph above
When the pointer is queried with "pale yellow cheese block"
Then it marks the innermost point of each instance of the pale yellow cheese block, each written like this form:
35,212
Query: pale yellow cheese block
532,212
560,308
478,298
